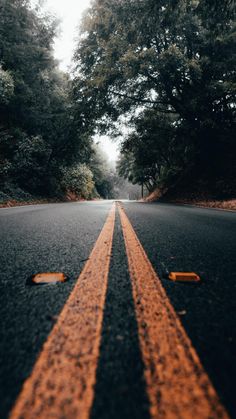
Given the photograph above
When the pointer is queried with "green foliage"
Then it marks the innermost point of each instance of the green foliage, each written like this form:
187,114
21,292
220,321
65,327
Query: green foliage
102,172
156,152
129,50
176,59
78,180
25,160
6,86
26,40
14,192
30,163
38,128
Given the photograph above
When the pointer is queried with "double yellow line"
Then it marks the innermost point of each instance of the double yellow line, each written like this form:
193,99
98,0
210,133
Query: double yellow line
62,382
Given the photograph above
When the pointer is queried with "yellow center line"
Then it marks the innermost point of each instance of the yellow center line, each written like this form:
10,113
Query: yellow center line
177,385
62,382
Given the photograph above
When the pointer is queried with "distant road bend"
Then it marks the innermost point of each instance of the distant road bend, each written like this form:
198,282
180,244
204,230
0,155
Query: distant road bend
118,339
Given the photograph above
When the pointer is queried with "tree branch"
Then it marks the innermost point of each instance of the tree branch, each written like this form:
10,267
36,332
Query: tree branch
152,102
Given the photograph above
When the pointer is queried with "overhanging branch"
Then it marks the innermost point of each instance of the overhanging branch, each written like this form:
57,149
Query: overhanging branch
139,100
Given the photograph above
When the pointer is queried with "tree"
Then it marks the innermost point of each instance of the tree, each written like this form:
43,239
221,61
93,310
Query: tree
155,153
171,57
78,180
38,133
151,52
6,86
102,171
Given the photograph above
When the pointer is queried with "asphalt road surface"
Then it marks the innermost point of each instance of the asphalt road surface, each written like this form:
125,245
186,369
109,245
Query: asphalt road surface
60,238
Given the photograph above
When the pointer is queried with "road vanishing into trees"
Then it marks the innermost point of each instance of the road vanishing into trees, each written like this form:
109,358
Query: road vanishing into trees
118,339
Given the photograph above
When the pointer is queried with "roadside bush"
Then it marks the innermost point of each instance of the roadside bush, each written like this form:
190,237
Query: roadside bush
4,197
6,86
30,163
13,192
78,180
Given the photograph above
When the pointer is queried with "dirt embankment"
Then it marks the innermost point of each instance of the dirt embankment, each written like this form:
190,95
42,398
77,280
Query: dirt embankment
17,200
14,203
203,195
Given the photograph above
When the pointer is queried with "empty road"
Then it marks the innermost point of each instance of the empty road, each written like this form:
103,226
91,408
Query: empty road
118,339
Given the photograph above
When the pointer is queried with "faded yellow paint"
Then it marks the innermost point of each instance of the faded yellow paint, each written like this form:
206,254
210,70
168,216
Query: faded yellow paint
177,385
62,382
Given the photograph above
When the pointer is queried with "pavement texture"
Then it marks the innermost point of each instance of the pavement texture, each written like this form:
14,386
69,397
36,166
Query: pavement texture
179,238
60,238
120,386
38,239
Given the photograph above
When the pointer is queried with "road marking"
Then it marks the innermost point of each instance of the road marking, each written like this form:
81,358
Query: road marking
48,278
62,382
184,277
177,385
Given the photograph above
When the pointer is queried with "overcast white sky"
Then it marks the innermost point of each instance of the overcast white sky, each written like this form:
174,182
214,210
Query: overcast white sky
70,13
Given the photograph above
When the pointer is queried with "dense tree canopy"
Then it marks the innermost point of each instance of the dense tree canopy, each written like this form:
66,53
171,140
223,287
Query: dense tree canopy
39,140
173,64
31,94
